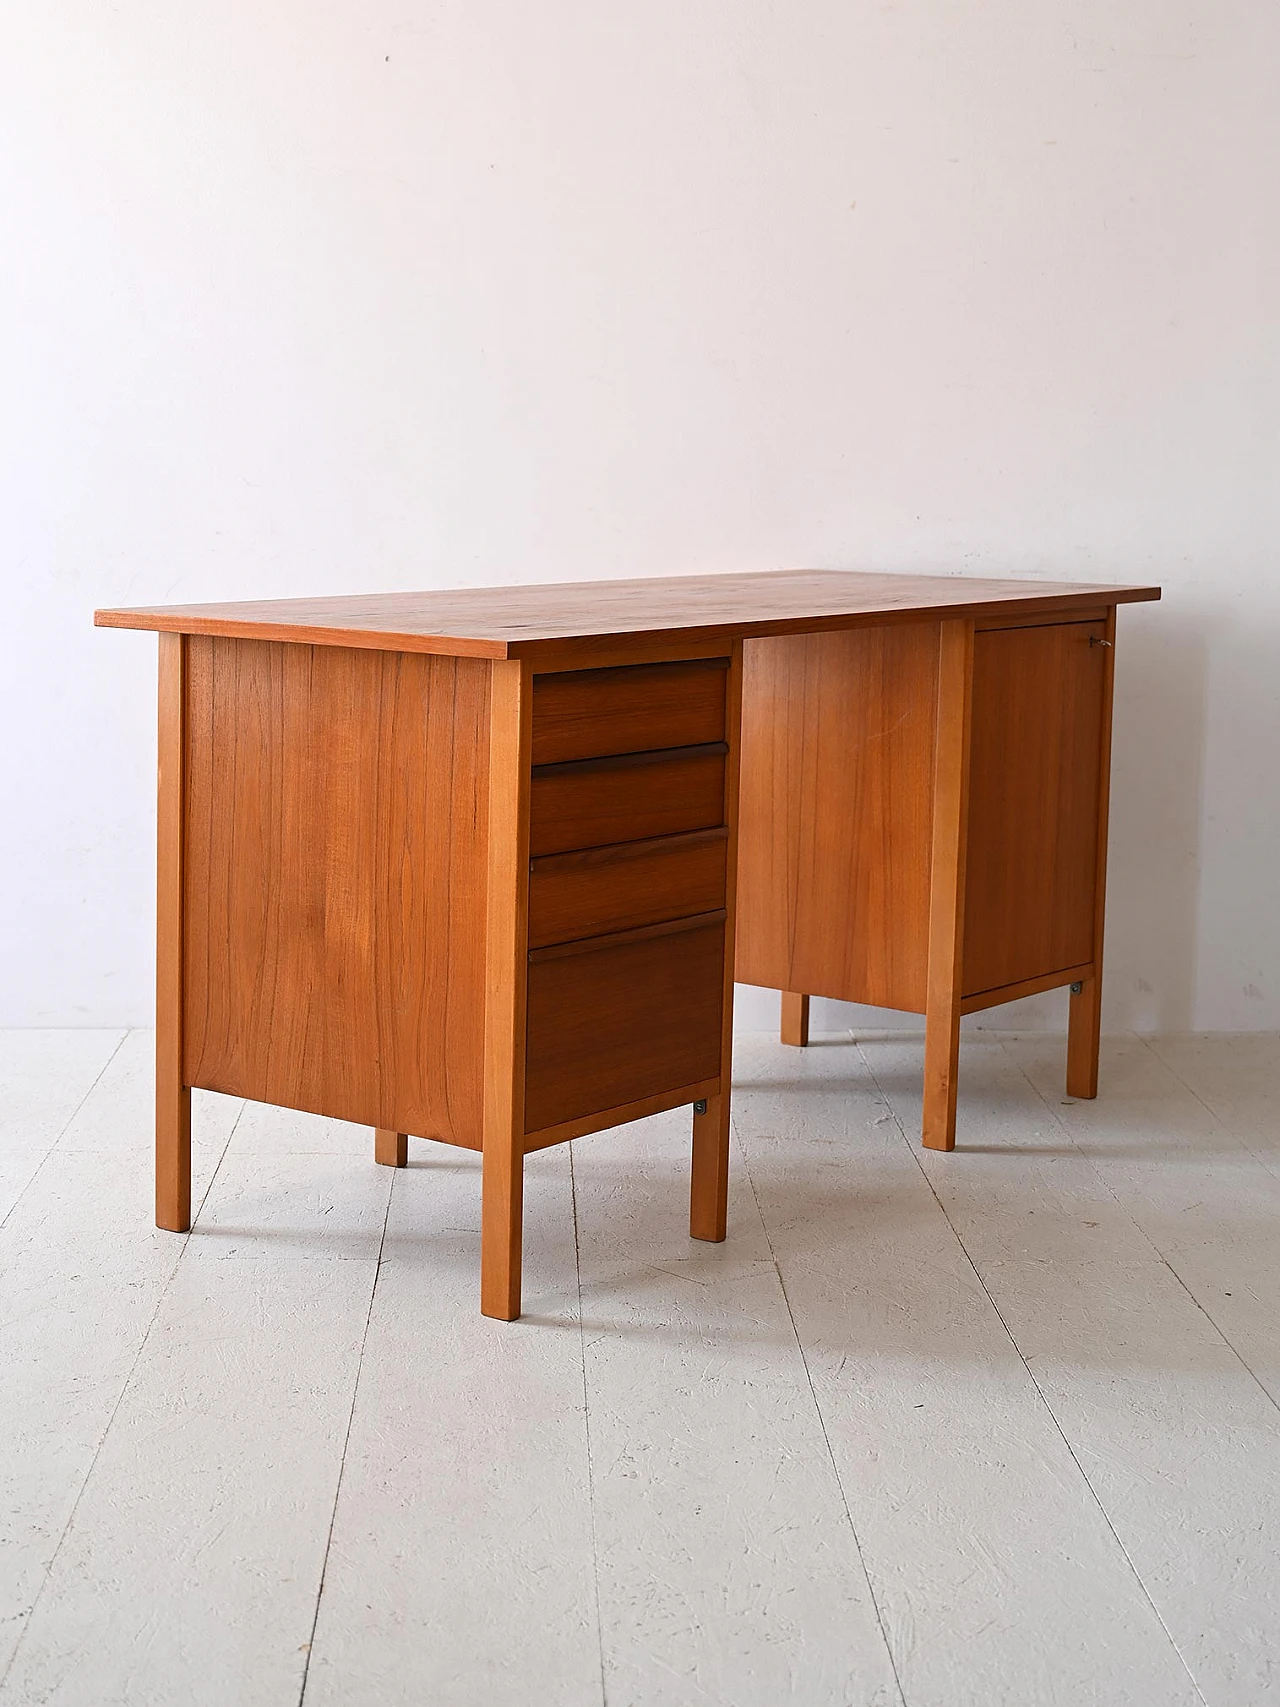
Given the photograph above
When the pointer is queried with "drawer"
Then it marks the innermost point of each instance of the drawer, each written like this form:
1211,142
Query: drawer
573,895
587,714
616,1019
592,803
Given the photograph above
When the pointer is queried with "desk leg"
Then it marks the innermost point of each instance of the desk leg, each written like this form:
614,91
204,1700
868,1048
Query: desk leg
501,1230
173,1099
709,1172
709,1178
947,893
506,981
1084,1023
1084,1028
795,1019
390,1148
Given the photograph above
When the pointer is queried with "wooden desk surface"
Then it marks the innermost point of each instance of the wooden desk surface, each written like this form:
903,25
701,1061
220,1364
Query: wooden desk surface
534,621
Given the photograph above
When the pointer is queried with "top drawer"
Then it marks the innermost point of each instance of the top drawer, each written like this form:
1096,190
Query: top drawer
592,714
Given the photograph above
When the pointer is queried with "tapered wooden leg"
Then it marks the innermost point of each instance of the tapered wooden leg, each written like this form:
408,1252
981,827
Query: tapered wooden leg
946,895
709,1178
941,1072
506,979
501,1225
173,1099
709,1171
1084,1025
173,1156
390,1148
795,1019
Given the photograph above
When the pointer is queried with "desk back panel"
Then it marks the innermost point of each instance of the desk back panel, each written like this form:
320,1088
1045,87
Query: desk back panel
335,875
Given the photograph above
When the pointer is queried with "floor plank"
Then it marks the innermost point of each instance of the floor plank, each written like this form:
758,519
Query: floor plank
1026,1392
999,1578
1236,1077
191,1568
1177,1439
82,1271
1200,1187
44,1076
461,1569
729,1572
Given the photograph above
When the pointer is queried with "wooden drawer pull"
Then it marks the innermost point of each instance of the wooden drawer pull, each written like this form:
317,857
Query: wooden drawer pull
628,761
620,939
631,797
585,714
584,859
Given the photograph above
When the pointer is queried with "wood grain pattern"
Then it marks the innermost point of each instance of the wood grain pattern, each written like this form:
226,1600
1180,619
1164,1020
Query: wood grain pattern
571,621
1026,987
641,1108
622,939
173,1098
951,809
582,714
1032,869
335,882
632,797
836,806
709,1169
631,883
1085,1011
1039,619
391,1148
627,1020
793,1027
506,989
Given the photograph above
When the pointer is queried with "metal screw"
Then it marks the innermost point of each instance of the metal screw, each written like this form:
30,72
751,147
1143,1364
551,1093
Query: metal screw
1076,987
700,1107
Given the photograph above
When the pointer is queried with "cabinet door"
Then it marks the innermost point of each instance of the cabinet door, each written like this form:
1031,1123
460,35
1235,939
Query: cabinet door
1038,696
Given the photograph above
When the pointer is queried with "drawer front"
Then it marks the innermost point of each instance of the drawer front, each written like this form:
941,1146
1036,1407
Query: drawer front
616,888
595,802
587,714
617,1020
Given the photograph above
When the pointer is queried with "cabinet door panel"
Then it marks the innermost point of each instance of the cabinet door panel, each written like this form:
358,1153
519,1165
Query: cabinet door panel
1033,802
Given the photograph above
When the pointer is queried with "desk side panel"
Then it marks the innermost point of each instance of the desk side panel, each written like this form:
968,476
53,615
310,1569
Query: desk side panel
836,813
335,882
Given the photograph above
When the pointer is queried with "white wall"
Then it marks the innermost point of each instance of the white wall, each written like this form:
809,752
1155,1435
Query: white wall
358,295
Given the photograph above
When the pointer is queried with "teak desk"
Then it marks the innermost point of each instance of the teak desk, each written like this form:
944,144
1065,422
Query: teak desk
465,864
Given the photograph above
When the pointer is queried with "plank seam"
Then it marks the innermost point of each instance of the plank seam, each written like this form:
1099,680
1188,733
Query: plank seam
822,1421
1031,1376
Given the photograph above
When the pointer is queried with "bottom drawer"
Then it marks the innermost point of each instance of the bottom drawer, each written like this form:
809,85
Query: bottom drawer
616,1019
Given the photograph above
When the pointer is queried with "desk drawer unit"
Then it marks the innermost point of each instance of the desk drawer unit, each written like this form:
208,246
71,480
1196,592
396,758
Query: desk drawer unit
628,887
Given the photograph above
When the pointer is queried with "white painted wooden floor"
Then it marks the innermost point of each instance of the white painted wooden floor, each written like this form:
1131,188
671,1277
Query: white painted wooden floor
995,1427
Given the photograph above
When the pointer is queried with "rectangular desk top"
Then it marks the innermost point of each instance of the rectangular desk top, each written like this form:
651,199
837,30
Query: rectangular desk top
536,621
